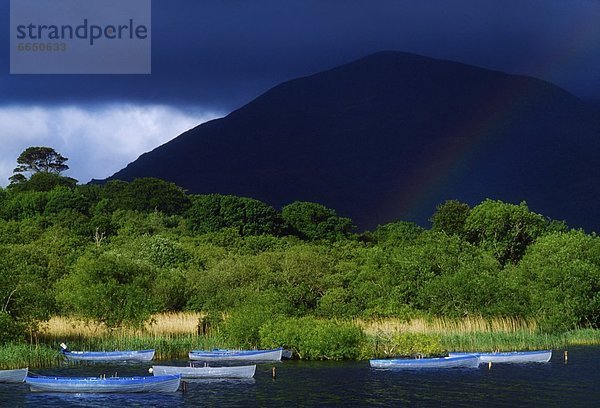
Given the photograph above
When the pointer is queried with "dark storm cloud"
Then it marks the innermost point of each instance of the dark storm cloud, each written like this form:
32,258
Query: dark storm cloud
223,53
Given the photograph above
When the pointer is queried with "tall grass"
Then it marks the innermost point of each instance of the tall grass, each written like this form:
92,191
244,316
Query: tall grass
160,325
173,335
444,326
26,355
480,334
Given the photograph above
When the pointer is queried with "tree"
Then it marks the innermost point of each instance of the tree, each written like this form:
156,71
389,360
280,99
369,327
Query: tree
109,288
450,217
504,229
146,194
214,212
395,233
561,273
314,221
39,159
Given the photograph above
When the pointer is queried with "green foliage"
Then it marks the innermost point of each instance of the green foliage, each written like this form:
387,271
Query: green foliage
313,339
504,229
163,252
119,252
22,205
10,330
25,294
450,217
561,272
242,325
314,221
397,233
337,302
403,345
146,195
41,159
41,182
460,280
109,288
15,355
63,198
214,212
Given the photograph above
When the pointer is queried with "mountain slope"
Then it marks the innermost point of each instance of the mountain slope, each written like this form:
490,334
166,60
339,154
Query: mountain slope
389,136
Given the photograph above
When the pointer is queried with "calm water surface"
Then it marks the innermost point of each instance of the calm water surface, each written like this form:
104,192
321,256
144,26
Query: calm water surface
309,384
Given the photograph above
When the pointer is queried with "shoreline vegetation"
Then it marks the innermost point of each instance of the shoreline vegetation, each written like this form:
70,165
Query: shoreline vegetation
173,335
148,265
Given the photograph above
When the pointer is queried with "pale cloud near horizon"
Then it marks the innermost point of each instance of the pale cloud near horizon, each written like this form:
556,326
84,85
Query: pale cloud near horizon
98,140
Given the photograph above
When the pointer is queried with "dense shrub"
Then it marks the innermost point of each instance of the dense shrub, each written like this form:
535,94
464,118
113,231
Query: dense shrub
403,345
313,338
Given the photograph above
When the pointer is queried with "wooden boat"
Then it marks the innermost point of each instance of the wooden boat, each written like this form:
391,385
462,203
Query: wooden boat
236,355
468,361
13,376
165,383
120,356
206,372
538,356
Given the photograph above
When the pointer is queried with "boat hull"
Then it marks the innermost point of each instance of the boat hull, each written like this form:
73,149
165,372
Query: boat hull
516,357
236,355
469,361
207,372
123,356
168,383
13,376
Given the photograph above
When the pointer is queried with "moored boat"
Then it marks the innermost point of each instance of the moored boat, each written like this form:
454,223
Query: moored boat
236,355
165,383
468,361
13,376
115,356
538,356
206,372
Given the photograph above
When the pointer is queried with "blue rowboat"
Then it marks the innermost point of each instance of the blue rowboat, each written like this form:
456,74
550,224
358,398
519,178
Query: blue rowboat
120,356
13,376
468,361
165,383
236,355
206,372
539,356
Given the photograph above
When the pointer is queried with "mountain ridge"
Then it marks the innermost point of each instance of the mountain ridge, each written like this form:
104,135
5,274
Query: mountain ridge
391,135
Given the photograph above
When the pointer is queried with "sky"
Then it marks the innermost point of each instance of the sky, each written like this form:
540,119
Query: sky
210,57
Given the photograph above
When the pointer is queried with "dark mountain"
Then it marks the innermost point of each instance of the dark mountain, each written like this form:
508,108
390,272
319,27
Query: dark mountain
391,135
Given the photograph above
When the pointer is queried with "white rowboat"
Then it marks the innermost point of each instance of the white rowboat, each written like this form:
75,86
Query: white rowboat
126,355
167,383
539,356
207,372
13,376
469,361
236,355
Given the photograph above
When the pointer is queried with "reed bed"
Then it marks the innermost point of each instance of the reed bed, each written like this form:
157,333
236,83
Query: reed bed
26,355
159,325
446,326
173,335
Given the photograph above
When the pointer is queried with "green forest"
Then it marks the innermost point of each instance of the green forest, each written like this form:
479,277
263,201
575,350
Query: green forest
120,252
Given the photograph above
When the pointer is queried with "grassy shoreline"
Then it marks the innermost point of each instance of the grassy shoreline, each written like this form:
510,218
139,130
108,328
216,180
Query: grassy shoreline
174,335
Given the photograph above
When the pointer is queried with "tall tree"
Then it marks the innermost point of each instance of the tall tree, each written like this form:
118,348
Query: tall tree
40,159
450,217
314,221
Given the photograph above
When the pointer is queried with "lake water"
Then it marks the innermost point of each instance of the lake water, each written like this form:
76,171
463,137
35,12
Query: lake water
351,384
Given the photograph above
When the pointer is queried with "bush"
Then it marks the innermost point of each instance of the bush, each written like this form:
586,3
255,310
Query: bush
313,339
404,345
10,330
109,288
